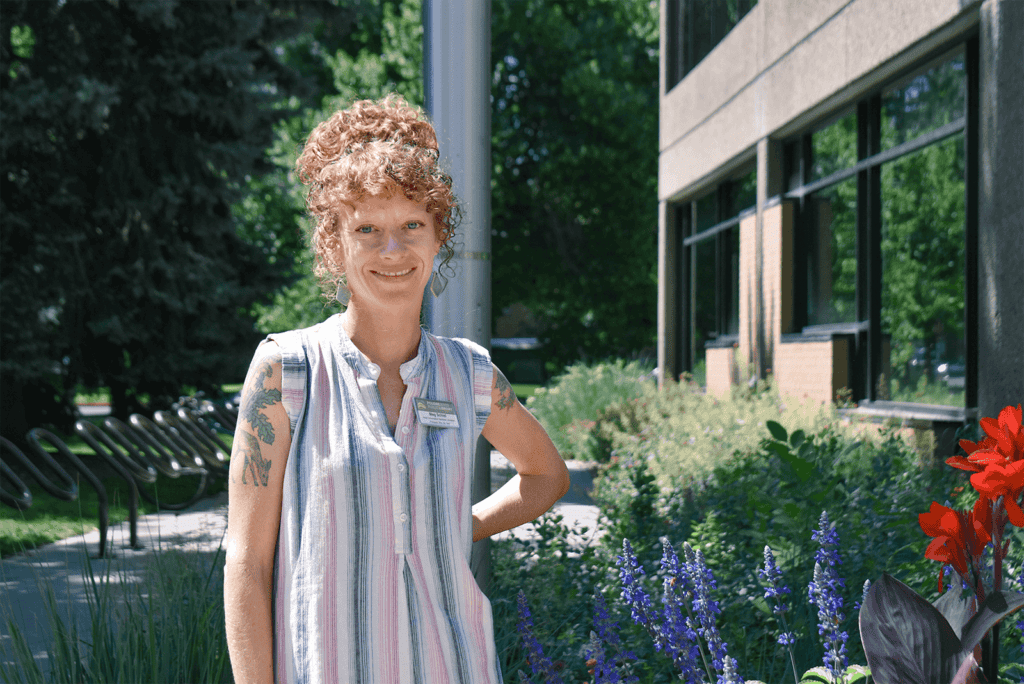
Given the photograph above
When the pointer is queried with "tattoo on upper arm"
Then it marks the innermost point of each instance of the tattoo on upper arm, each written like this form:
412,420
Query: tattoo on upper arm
507,396
254,462
256,399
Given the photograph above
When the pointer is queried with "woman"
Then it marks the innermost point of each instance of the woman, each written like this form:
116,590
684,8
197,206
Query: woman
349,524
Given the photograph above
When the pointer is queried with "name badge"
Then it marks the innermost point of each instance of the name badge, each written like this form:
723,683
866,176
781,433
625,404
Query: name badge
436,413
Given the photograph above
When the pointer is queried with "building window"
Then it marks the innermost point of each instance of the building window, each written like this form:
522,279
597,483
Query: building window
708,229
695,27
883,231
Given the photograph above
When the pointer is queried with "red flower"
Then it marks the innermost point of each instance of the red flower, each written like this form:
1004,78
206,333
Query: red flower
1005,481
1005,441
959,536
961,462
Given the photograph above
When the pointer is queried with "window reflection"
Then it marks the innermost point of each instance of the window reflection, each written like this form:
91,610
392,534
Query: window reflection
834,147
924,103
831,242
923,276
707,212
742,193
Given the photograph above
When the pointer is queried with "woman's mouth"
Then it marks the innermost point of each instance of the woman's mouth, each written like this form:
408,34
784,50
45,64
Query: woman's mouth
394,274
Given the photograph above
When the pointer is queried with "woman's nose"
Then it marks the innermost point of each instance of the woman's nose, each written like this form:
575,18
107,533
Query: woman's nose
392,246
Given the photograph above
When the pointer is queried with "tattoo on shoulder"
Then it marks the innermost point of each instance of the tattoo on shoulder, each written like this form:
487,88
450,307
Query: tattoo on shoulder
254,462
507,396
258,398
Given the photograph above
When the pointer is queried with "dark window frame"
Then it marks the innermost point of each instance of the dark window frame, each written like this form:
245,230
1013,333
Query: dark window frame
684,217
867,356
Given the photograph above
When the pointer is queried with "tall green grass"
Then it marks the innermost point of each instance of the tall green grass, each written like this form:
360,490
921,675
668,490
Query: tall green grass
167,628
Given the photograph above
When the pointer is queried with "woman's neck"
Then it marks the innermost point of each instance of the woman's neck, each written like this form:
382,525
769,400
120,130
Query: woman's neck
388,338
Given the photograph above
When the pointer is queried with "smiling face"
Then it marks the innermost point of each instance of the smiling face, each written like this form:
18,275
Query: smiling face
388,245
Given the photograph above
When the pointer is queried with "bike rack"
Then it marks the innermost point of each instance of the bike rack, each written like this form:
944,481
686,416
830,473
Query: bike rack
213,457
24,500
205,434
184,443
123,464
71,493
224,415
141,445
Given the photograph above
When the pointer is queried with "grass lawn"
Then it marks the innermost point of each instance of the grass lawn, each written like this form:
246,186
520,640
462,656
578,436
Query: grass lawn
524,392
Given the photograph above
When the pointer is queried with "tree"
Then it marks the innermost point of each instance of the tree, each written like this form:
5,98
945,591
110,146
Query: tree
128,129
574,209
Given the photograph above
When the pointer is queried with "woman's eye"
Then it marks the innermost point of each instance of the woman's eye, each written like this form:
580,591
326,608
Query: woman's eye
364,229
412,225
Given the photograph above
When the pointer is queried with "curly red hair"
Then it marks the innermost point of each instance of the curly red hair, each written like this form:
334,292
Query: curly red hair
373,149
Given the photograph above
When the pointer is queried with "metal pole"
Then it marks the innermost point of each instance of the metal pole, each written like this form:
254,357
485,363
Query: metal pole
457,73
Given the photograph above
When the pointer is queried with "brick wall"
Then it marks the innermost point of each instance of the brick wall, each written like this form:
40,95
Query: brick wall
812,370
777,275
719,371
748,290
804,370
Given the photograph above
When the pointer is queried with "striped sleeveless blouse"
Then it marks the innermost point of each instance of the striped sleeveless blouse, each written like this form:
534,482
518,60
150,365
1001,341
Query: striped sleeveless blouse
372,582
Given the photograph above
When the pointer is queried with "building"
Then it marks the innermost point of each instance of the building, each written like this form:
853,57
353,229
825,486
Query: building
841,190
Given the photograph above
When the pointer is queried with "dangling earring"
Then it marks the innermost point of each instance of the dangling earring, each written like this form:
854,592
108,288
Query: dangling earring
437,284
344,294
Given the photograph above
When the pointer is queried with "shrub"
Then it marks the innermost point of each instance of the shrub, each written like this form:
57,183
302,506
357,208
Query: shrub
685,434
771,495
568,407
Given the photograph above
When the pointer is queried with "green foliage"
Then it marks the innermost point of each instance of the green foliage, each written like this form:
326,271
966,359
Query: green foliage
560,583
169,627
128,131
571,403
769,494
684,434
574,149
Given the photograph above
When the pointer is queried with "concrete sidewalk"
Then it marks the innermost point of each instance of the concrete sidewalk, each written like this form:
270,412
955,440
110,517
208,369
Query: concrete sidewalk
64,566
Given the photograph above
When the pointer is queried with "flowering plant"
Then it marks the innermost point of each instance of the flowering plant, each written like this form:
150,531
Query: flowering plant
905,638
908,639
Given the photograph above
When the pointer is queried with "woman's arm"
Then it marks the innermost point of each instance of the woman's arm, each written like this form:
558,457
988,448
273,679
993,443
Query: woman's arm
258,457
542,477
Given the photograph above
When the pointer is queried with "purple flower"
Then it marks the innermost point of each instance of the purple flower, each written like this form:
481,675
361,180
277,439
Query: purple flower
671,632
540,663
823,592
771,575
680,639
729,674
606,669
863,595
633,593
704,606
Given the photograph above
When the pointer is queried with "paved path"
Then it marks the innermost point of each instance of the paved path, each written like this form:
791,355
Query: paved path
62,566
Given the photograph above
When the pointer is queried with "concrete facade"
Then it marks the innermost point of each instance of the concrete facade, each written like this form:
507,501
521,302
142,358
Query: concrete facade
1001,207
785,68
786,64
